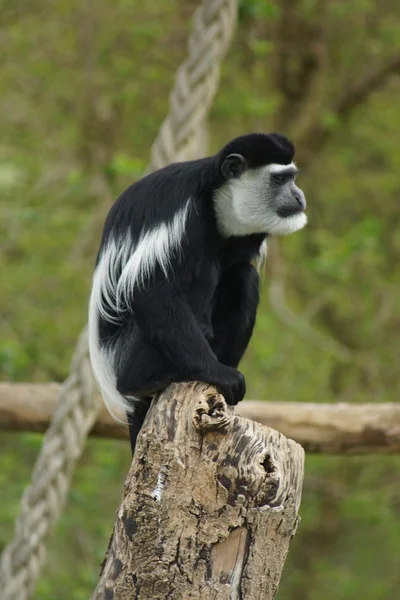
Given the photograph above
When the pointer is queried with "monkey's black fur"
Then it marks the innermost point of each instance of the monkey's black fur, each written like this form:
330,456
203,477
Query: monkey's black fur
195,323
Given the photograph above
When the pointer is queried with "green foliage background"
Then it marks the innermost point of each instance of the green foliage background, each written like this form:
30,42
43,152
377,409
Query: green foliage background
83,92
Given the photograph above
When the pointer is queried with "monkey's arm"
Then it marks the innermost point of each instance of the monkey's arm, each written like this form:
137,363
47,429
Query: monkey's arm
173,349
167,321
235,313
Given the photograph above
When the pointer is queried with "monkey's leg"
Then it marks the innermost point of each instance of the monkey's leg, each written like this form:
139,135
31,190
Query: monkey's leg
165,344
136,419
145,372
234,314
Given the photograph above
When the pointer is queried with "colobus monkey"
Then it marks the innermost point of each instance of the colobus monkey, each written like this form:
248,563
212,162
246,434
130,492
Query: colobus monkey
175,293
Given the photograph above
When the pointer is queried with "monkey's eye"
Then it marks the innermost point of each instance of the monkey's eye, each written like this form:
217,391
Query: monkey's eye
279,179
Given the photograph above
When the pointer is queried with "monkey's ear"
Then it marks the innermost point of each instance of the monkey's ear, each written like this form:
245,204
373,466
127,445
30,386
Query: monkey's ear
233,166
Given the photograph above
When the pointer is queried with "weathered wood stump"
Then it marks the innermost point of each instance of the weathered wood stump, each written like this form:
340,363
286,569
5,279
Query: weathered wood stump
209,506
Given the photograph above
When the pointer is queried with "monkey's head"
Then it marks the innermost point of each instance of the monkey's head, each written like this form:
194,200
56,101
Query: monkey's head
258,193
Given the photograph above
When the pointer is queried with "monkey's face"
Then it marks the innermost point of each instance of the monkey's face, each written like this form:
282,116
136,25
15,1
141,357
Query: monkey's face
261,200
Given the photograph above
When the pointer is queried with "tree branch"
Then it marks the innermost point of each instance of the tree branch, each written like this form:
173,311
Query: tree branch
315,135
329,428
290,319
372,81
299,64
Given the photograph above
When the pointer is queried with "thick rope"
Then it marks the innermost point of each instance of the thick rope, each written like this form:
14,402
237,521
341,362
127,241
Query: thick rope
196,83
179,137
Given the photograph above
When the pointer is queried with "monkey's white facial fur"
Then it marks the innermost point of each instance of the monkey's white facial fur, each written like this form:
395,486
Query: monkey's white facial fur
263,200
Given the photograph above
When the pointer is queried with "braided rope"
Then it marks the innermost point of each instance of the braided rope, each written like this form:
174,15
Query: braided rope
179,138
43,500
196,83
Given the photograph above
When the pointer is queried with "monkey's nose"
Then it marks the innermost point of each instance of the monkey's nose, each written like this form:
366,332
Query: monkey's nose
300,199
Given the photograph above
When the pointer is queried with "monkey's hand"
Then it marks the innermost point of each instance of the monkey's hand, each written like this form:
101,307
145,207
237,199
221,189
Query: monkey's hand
234,314
229,381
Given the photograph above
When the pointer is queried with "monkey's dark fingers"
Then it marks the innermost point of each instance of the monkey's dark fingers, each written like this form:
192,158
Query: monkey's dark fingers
241,387
238,390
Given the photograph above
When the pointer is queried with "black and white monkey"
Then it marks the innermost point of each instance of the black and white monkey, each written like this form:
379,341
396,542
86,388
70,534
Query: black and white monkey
175,293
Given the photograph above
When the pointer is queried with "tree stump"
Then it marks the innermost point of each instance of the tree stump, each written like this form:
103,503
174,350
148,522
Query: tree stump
209,506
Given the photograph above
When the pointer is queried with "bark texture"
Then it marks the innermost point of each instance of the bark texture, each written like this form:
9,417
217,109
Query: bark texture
329,428
209,506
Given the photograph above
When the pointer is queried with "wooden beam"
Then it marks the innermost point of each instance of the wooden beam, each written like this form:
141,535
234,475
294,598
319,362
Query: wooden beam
327,428
209,507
